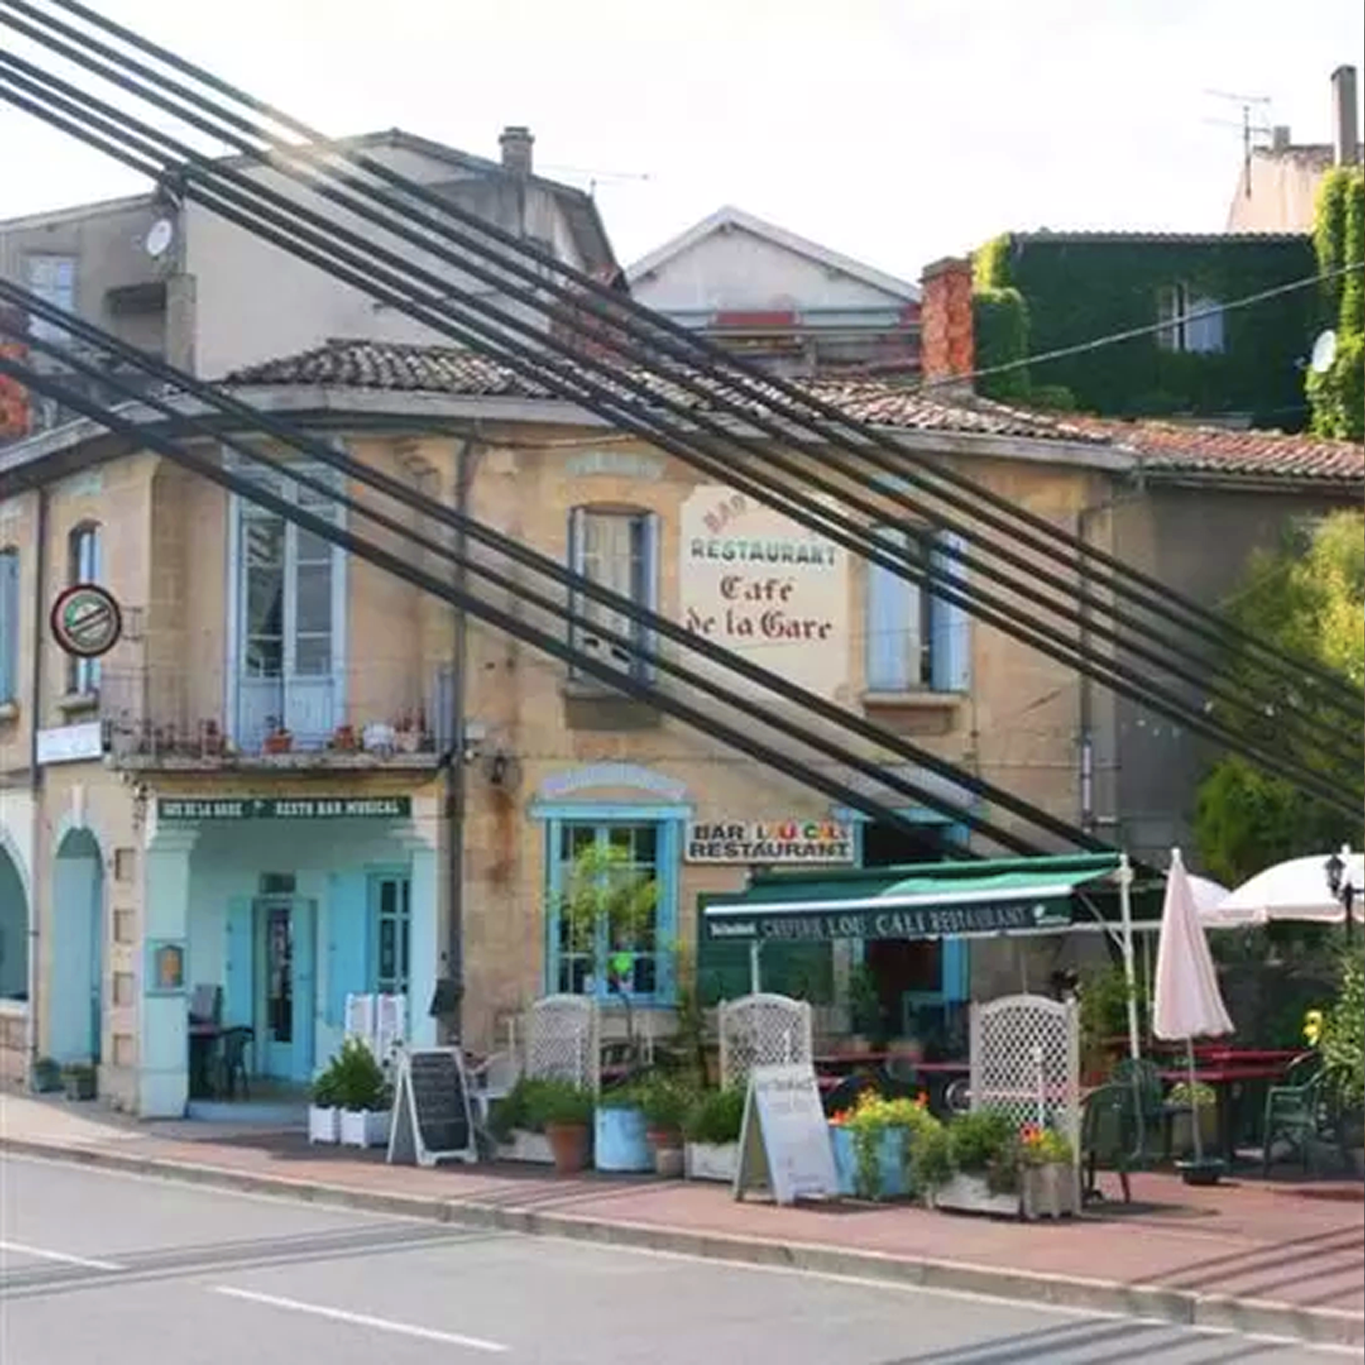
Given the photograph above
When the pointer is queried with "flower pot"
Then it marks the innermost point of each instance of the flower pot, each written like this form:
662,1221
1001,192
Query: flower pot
711,1161
569,1146
363,1127
279,743
324,1123
890,1180
1048,1191
524,1145
971,1193
47,1076
1182,1130
667,1147
620,1141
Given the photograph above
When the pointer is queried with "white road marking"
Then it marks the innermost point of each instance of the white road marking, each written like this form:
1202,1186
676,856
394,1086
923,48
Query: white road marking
405,1329
43,1255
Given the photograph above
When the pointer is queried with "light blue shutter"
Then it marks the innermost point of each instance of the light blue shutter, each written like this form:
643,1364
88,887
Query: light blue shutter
9,625
237,986
649,597
305,987
892,603
950,661
348,942
668,860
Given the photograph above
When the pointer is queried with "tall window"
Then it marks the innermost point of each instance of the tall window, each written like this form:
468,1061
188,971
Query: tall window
916,639
1189,321
619,550
392,900
611,908
9,626
83,547
53,279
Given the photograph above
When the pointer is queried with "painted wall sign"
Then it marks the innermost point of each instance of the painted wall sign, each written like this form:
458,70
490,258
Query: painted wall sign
604,776
769,841
616,463
86,620
762,585
71,743
175,808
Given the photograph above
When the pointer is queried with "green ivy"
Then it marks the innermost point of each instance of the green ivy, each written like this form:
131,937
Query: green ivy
1337,396
1000,320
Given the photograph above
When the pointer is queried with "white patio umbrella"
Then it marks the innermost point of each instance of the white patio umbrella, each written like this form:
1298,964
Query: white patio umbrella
1186,1001
1208,895
1293,890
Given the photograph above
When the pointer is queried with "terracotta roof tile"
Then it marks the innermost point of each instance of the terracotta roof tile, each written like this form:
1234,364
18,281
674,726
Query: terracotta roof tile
404,367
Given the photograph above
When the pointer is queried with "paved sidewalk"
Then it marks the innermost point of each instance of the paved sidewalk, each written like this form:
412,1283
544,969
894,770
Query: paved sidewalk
1284,1257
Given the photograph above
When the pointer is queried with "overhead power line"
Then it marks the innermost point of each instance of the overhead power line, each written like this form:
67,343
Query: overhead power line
664,336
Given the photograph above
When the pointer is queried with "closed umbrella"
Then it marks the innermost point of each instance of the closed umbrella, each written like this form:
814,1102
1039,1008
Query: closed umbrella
1293,890
1186,1001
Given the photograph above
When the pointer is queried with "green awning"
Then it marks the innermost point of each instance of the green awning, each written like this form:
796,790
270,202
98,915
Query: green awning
940,900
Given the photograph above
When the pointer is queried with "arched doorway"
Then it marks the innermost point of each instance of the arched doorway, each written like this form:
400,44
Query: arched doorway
77,949
13,932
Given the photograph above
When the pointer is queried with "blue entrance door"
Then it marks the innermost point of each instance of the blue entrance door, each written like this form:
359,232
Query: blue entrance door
284,987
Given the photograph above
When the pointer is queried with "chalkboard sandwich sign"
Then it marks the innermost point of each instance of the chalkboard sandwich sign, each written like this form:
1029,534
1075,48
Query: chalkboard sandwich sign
432,1116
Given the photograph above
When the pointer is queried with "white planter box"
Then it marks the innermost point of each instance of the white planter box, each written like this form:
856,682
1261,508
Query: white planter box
524,1146
1051,1191
364,1127
323,1124
971,1194
712,1161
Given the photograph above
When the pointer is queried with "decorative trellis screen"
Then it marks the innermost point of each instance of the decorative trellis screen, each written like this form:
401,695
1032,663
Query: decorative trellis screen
562,1042
762,1030
1026,1061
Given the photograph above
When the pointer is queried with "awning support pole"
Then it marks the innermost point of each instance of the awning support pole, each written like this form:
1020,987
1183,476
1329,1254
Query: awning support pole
1129,966
755,981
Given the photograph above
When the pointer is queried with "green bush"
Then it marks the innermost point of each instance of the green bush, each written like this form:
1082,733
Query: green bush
665,1099
984,1142
1343,1035
554,1102
715,1116
353,1080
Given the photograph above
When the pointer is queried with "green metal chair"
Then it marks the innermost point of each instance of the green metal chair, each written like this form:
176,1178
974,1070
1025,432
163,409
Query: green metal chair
1151,1114
1110,1137
1298,1111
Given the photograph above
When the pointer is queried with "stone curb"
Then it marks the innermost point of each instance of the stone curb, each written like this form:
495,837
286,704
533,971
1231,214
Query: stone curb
1319,1326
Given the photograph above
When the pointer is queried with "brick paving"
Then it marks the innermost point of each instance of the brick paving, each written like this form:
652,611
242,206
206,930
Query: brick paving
1287,1241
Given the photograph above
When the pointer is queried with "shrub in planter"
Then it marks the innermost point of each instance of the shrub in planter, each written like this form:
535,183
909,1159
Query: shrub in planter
1047,1173
665,1101
564,1112
323,1113
517,1122
46,1077
983,1143
361,1093
620,1142
78,1079
1189,1103
874,1144
711,1131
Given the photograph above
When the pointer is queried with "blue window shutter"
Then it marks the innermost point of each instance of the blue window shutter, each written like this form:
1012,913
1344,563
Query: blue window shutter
666,925
305,987
649,596
891,613
9,624
553,890
951,647
348,943
238,1006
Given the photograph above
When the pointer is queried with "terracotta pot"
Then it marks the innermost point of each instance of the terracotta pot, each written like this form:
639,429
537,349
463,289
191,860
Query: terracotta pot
569,1146
667,1147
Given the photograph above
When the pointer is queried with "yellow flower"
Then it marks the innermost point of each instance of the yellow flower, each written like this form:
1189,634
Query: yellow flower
1312,1027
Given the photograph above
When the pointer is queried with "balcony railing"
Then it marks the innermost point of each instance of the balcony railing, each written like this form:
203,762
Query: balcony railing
371,714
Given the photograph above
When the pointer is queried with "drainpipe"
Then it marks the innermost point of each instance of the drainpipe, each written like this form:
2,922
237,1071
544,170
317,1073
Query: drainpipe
35,775
1085,705
466,463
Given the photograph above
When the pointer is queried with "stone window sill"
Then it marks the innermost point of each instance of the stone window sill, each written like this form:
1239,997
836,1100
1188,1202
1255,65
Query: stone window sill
912,701
79,703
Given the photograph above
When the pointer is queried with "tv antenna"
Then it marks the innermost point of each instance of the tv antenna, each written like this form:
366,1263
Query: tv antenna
1258,105
594,177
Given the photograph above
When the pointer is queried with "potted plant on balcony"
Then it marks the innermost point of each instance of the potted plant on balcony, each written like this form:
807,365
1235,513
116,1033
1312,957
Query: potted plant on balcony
362,1095
210,739
278,740
324,1116
565,1110
345,740
711,1130
408,730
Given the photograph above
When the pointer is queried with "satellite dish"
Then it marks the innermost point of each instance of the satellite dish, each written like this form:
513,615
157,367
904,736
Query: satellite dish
159,238
1324,352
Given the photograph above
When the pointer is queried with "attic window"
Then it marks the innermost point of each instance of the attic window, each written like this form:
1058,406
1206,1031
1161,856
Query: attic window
1190,322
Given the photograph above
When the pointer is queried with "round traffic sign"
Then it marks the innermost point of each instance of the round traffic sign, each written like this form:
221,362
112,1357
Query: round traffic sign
86,620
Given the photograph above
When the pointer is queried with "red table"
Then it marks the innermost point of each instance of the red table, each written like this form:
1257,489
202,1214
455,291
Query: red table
1223,1079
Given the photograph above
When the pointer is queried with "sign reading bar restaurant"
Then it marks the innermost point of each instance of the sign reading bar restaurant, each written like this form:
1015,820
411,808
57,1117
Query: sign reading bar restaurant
770,841
770,924
765,587
285,808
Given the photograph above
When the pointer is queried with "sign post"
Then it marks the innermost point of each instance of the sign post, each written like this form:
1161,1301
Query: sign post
784,1146
432,1117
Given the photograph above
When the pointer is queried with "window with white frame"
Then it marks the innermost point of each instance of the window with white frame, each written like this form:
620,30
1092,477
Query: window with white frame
1189,322
53,279
916,639
9,626
611,905
617,548
83,549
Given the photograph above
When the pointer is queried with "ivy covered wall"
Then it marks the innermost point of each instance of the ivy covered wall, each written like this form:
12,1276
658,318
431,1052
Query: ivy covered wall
1058,290
1338,395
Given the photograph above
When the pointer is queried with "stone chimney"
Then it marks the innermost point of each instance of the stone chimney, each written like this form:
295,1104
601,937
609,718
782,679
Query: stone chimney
1345,130
516,143
1279,138
946,346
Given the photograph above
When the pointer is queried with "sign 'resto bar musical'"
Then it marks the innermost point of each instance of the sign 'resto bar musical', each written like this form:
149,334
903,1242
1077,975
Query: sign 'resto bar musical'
178,808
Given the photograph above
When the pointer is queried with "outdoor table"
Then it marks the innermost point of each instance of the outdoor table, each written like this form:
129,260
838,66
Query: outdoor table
832,1069
1223,1080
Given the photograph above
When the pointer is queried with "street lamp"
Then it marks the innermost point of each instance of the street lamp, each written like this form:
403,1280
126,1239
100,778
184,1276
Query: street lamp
1340,886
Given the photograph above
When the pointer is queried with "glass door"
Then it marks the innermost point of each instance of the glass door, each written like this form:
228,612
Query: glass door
284,990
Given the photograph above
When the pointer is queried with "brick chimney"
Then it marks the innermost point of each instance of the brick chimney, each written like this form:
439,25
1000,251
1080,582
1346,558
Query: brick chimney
516,143
1345,130
947,351
15,414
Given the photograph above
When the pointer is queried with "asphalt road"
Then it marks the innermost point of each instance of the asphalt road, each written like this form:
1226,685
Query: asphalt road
102,1268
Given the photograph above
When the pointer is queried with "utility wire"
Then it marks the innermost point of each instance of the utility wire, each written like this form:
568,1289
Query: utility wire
1152,696
760,386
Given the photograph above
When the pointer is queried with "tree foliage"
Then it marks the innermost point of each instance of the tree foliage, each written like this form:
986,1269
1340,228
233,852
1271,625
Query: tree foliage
1309,600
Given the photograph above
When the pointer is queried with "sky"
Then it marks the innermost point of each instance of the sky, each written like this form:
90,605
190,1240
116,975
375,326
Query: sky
894,131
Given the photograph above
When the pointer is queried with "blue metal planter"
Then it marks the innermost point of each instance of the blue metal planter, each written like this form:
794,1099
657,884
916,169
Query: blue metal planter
892,1181
620,1143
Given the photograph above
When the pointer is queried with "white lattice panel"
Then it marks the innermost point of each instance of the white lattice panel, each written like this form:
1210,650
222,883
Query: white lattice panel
762,1030
1026,1061
561,1040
